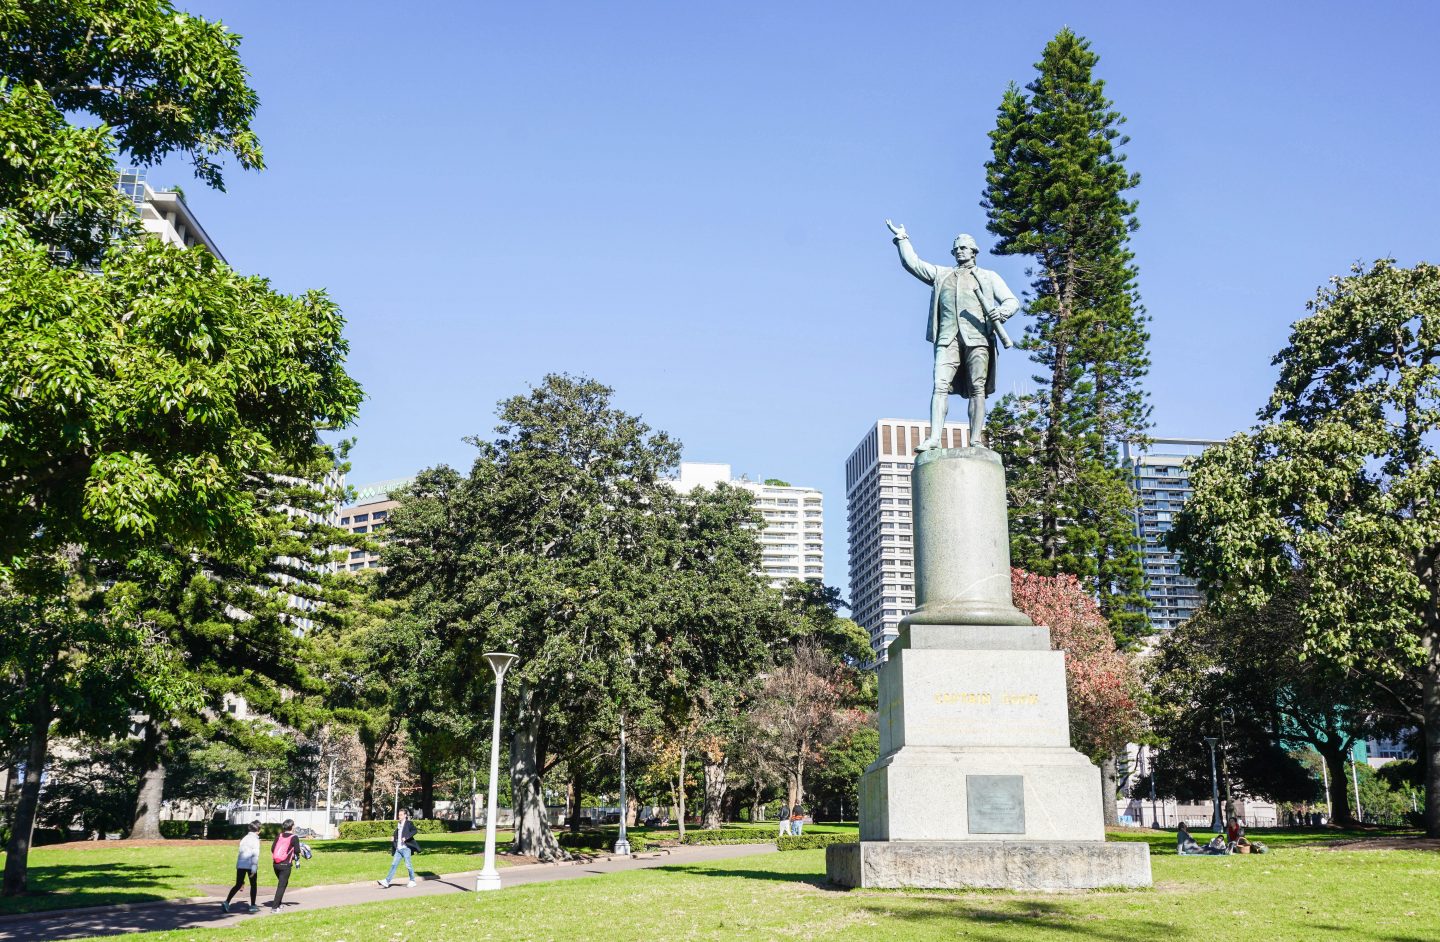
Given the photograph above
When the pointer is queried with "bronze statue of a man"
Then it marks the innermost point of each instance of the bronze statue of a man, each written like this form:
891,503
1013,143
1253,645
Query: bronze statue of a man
967,306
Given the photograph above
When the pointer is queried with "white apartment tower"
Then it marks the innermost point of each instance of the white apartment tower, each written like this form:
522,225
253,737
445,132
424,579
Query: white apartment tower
882,543
792,543
164,213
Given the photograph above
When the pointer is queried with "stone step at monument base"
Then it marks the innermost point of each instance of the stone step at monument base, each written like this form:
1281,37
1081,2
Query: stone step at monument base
999,865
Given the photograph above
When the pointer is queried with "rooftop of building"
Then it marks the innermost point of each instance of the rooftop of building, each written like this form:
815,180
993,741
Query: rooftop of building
378,491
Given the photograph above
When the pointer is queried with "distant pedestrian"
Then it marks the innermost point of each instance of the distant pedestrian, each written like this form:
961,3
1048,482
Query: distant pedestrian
784,820
402,846
797,820
283,852
247,865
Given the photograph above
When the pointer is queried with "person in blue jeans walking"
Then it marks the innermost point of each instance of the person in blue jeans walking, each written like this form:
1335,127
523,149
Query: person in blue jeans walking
402,843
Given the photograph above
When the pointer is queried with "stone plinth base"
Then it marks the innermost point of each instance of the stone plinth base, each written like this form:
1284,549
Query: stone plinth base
1000,865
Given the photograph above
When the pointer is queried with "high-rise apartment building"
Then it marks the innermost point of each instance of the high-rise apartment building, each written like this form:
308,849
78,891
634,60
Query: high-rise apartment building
1162,480
792,545
882,542
164,214
367,516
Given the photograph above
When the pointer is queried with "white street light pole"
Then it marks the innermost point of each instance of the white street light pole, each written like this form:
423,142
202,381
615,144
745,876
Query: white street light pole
253,777
1217,823
330,796
489,877
622,846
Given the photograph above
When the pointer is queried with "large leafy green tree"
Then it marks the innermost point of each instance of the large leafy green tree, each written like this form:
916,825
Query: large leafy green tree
1242,676
1055,191
1337,486
146,385
566,546
243,616
163,81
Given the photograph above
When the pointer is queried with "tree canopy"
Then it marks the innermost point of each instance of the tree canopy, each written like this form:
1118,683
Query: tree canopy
1055,191
1337,486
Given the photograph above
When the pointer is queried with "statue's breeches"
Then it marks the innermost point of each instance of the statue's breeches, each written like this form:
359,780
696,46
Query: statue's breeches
972,363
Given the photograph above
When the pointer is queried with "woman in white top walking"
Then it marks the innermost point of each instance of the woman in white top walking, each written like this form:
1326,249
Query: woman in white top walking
247,864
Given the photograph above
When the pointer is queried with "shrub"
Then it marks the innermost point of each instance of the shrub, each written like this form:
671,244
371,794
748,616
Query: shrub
219,830
359,830
759,835
600,839
812,841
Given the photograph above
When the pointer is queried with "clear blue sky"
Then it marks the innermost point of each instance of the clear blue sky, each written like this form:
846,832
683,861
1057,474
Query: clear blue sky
687,201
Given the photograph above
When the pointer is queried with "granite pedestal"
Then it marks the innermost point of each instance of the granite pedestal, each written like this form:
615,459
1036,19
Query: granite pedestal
976,784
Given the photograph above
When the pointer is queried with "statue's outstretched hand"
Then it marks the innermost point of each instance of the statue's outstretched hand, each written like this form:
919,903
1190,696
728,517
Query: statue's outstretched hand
898,230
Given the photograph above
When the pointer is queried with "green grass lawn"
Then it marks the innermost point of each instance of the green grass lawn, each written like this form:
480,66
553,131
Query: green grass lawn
1298,893
96,873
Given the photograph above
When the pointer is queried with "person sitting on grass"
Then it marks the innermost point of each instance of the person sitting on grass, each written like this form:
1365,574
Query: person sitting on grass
1184,843
402,844
247,864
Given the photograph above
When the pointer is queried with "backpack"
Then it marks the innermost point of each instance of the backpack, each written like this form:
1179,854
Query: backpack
284,849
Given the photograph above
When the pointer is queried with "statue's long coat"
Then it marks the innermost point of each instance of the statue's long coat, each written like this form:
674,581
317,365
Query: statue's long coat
999,300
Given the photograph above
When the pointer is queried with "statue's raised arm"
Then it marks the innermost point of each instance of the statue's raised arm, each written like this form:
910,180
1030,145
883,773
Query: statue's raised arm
898,229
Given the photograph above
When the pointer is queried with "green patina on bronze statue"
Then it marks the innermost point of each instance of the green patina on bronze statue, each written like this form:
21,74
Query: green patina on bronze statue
968,308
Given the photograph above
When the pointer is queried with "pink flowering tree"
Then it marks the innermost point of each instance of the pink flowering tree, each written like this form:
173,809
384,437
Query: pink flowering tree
1102,683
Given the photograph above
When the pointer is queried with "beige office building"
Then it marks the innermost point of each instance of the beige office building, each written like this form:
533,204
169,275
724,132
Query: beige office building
882,544
792,545
368,516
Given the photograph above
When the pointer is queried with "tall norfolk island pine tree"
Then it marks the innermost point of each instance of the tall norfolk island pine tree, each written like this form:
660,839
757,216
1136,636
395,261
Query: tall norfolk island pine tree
1055,192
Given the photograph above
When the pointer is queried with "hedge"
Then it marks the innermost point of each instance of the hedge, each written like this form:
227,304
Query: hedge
356,830
812,841
601,839
761,835
219,830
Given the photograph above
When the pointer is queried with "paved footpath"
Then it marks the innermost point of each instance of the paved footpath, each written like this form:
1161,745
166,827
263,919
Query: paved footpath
206,913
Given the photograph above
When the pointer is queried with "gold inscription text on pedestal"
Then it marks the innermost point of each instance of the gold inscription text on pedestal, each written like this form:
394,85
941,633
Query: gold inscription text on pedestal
984,698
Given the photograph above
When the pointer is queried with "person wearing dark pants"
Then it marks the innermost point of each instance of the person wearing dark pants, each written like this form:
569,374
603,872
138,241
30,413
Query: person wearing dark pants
283,853
247,863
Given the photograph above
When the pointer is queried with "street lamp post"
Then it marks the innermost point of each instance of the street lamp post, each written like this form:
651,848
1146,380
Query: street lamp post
1216,823
622,846
489,877
1154,816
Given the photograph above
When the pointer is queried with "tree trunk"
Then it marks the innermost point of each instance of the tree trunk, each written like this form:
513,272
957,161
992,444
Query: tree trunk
680,793
1430,694
1109,786
17,851
573,792
427,793
632,810
145,825
797,781
716,766
1340,810
532,825
757,803
367,791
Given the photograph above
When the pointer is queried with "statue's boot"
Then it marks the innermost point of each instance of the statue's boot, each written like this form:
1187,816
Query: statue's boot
939,403
977,421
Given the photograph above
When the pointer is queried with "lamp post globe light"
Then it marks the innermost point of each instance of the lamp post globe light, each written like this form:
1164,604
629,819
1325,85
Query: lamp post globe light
1217,823
489,877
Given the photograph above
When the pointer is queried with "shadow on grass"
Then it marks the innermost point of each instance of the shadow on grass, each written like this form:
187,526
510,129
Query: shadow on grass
978,918
66,886
816,880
